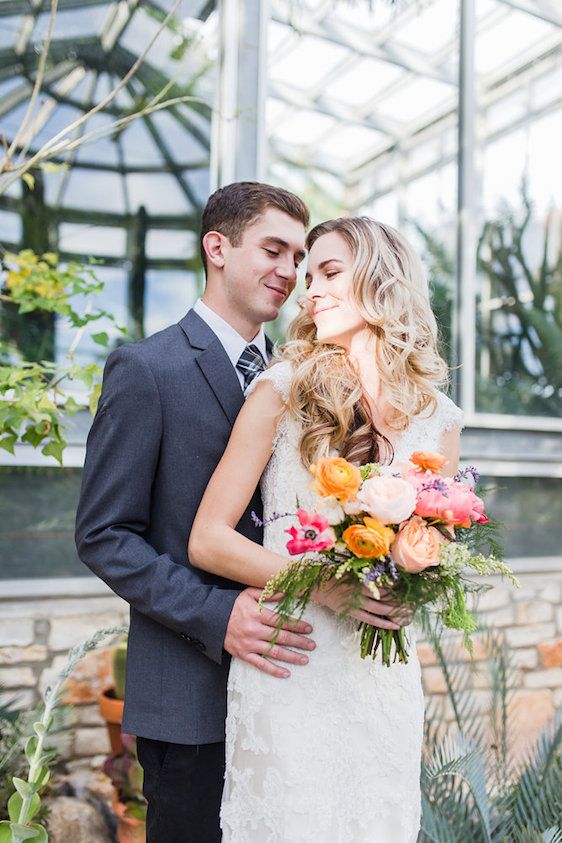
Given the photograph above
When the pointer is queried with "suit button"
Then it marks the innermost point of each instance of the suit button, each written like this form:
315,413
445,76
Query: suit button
199,644
186,637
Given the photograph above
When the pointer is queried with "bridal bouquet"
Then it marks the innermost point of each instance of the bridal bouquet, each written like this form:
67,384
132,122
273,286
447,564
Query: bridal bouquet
409,534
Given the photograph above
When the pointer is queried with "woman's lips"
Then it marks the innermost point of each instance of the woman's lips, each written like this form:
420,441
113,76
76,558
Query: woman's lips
324,309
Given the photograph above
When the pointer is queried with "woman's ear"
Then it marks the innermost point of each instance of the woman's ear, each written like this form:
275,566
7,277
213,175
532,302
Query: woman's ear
213,243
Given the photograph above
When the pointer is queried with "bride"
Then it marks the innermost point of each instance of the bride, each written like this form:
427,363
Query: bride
333,753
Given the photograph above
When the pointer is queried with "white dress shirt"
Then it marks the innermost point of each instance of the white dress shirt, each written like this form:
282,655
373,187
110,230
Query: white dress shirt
230,339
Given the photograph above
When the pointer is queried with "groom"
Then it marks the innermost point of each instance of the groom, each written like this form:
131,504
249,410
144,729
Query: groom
166,411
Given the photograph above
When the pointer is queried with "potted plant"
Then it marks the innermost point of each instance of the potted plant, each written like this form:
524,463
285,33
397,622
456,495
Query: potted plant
129,804
111,700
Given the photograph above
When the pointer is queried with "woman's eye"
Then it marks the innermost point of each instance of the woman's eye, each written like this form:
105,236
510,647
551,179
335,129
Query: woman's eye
331,274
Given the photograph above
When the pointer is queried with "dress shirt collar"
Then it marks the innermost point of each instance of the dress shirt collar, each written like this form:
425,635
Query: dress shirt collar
232,342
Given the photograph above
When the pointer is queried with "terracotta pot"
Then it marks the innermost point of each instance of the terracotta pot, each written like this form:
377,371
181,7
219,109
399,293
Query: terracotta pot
129,829
111,709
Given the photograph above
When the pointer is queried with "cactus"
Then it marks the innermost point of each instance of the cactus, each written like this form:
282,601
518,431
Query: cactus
119,662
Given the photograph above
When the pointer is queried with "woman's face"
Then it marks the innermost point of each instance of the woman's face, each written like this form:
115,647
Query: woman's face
329,296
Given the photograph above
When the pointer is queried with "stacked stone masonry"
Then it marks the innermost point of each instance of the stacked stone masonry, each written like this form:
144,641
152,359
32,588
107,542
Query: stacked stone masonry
35,636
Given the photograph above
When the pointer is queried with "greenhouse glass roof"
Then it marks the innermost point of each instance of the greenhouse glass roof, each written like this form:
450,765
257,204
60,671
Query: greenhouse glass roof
348,85
160,161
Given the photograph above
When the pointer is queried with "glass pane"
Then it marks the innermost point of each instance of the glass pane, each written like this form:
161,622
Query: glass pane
37,512
9,30
169,295
10,227
530,508
83,239
519,319
171,244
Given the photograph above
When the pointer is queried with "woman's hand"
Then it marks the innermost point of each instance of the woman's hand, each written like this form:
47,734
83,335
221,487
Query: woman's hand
386,613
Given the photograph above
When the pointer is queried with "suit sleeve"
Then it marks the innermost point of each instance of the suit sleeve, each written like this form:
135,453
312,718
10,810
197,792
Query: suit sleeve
114,511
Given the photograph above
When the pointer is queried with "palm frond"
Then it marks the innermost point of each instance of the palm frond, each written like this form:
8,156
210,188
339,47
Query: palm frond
536,799
456,756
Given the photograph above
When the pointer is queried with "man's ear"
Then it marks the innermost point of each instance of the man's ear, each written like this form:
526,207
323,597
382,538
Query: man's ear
213,243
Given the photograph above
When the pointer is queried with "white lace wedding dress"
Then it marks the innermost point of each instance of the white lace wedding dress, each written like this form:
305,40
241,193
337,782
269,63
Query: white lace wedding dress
332,754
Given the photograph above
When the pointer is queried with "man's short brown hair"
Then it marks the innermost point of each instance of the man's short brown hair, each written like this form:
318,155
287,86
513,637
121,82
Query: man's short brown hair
231,209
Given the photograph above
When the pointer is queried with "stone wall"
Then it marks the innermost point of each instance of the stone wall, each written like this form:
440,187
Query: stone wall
36,634
35,637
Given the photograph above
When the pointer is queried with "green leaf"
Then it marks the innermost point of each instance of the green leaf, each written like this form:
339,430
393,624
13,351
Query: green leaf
29,180
94,398
39,728
24,788
5,832
15,803
33,436
71,406
31,747
54,449
8,442
43,774
101,339
26,832
41,836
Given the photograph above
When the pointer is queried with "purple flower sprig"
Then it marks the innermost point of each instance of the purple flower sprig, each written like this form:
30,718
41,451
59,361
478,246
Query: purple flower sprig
275,516
380,569
463,473
438,485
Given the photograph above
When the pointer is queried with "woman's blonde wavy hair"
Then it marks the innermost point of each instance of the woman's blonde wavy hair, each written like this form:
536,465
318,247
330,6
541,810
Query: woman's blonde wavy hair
392,295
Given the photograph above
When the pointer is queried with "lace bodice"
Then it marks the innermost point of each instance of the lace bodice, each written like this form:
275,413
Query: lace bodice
332,754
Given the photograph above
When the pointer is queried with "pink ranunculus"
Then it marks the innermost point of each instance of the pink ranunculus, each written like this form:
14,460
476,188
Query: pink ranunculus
314,534
390,499
416,546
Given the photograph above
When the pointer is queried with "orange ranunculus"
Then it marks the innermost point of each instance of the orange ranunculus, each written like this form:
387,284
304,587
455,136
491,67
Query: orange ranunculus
335,476
368,540
429,460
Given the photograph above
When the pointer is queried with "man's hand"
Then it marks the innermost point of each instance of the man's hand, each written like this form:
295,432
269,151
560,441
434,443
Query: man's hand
250,631
385,613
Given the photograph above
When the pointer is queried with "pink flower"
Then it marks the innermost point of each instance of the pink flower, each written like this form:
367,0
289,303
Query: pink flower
478,513
314,534
431,503
390,499
458,505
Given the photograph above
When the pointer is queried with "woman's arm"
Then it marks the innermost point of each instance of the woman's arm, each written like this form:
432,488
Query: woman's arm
214,544
450,448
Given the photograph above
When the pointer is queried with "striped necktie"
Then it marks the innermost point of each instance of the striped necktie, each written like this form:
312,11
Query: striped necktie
250,363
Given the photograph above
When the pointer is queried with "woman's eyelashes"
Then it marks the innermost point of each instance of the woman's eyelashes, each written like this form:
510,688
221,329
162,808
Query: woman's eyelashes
331,274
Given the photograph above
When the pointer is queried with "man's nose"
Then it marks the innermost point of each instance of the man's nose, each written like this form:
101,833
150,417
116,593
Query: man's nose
286,269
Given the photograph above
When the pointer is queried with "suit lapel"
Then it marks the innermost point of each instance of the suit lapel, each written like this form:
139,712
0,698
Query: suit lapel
215,364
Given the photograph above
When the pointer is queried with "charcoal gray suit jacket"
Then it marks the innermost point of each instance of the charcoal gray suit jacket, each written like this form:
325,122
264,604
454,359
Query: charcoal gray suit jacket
166,411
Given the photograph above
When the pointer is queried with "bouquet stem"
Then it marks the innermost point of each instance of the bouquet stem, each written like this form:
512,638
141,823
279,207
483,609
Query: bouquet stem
393,644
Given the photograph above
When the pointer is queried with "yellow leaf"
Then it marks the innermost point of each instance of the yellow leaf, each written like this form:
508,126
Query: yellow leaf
51,167
29,180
